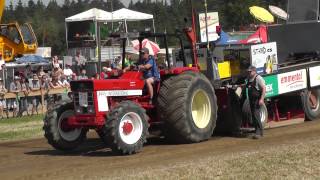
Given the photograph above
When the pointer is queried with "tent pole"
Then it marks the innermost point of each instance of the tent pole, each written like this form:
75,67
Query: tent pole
99,46
66,26
154,30
126,27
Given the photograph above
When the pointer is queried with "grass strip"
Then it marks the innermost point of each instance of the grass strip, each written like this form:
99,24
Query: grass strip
25,127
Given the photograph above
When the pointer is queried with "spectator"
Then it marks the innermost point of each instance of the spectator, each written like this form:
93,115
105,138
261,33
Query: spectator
15,87
55,60
104,73
57,72
28,72
80,62
83,75
68,72
3,91
117,63
45,86
44,83
35,86
55,83
23,104
128,63
40,71
64,82
74,77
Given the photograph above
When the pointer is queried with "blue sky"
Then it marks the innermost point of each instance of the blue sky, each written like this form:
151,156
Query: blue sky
125,2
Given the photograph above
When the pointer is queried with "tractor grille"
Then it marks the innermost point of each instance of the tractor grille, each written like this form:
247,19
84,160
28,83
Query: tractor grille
83,106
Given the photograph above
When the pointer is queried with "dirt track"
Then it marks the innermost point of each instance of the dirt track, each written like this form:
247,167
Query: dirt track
35,159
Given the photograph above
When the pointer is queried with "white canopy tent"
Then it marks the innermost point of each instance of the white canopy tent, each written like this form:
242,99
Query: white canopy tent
93,14
130,15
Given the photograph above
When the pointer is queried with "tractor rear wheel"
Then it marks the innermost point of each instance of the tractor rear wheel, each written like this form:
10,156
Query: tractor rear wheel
311,104
57,131
188,106
247,117
126,128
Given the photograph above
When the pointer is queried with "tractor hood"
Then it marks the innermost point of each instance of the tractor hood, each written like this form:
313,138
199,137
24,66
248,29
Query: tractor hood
128,81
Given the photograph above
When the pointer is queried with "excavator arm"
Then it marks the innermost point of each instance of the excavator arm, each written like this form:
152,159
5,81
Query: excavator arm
2,6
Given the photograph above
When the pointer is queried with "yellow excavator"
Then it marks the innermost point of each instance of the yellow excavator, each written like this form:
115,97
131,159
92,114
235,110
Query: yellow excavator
16,40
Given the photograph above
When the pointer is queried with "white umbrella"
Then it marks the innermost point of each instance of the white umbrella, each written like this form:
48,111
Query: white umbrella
280,13
146,43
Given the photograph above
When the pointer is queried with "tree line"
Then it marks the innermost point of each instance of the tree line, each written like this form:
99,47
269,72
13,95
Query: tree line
48,21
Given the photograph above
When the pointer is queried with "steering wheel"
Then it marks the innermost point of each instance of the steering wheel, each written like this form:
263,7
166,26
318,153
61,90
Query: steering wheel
134,67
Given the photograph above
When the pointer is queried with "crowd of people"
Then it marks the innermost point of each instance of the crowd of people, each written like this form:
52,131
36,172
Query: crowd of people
29,79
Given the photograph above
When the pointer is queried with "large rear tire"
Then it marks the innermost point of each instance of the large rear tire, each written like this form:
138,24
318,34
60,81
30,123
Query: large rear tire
126,128
246,113
57,132
311,104
188,106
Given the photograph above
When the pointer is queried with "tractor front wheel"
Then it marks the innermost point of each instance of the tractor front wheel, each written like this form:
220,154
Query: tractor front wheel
57,131
126,128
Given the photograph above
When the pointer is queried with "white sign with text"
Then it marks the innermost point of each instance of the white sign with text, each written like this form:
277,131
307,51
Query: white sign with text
212,22
314,74
292,81
264,57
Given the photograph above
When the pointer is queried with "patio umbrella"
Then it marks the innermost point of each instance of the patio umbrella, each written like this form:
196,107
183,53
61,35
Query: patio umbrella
261,14
280,13
146,43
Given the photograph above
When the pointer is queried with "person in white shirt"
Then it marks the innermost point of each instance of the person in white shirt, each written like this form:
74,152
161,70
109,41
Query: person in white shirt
64,82
68,72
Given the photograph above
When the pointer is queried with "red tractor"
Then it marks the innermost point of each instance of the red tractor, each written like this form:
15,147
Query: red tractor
184,107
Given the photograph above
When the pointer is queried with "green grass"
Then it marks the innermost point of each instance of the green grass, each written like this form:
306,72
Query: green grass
294,161
21,128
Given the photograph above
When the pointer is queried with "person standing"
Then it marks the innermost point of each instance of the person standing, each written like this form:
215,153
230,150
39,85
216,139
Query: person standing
23,104
256,93
68,72
80,62
35,86
83,75
3,104
150,71
15,87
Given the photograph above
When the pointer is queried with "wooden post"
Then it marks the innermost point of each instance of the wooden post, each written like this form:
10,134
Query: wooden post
42,101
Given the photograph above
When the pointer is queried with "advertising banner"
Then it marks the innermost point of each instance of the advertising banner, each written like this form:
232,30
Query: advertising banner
213,22
314,74
271,85
292,81
264,57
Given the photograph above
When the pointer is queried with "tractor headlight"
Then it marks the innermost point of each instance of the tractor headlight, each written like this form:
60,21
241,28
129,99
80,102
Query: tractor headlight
90,109
78,109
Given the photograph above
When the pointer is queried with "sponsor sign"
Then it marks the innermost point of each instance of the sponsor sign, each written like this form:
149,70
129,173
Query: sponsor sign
271,85
264,57
292,81
314,74
103,97
212,22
